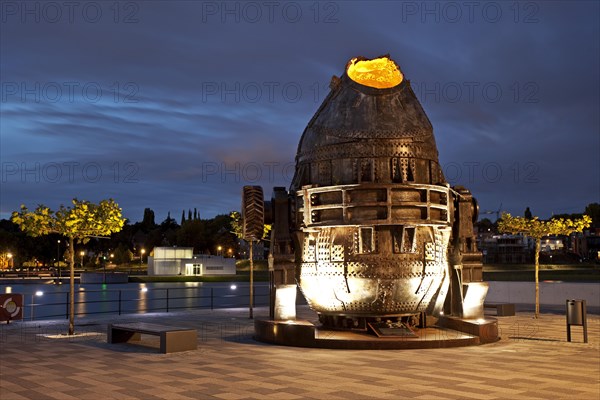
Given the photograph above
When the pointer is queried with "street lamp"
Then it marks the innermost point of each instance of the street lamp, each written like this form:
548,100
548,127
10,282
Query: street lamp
38,294
11,261
103,268
82,253
219,250
142,251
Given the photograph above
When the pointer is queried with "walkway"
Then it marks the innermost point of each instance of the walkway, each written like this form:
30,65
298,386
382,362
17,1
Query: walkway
531,361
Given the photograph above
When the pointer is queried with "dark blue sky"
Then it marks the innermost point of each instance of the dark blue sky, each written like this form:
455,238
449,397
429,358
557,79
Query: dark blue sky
176,105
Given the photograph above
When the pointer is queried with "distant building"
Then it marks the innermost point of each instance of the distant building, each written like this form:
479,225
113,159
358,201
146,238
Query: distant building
506,249
171,261
551,243
591,249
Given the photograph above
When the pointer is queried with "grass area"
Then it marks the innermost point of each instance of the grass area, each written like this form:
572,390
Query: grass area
548,272
531,267
491,272
259,265
241,276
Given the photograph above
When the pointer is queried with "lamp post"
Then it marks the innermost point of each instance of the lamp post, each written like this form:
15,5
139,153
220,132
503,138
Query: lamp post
58,259
82,253
103,268
10,261
142,251
219,248
38,294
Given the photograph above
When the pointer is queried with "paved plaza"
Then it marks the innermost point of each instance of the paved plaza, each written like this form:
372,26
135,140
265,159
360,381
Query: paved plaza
532,360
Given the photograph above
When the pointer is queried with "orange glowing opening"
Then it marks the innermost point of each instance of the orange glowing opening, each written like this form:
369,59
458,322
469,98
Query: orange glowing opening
380,73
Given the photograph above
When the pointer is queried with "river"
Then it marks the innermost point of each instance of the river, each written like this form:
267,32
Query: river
49,301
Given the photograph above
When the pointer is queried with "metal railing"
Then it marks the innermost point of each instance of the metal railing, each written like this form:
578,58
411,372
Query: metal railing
125,301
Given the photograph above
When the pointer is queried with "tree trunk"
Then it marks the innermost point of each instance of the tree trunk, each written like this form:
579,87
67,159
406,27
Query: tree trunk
537,277
72,287
251,279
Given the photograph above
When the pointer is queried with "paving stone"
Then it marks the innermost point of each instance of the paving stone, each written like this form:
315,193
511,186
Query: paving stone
532,360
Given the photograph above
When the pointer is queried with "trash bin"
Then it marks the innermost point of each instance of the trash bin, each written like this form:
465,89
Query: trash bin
576,315
575,312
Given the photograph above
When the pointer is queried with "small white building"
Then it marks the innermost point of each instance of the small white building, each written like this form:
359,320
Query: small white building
182,261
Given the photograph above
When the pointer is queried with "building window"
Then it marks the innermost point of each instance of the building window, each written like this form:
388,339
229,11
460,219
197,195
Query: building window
396,170
310,249
430,251
402,169
366,240
365,170
403,239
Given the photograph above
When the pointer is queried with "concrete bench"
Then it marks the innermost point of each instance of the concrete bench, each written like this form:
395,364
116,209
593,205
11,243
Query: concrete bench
502,309
172,339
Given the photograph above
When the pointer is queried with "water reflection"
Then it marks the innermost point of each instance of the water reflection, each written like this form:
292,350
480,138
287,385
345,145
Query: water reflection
80,302
136,297
143,297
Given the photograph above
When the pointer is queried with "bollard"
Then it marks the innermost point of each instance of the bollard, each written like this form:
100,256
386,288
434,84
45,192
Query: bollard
576,315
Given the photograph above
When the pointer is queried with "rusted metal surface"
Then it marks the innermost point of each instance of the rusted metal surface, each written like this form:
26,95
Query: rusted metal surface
374,228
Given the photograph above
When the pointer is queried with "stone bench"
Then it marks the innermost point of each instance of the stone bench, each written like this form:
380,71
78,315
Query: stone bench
502,309
172,339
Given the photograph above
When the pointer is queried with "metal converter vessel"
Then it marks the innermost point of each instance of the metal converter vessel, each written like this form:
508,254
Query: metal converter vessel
369,228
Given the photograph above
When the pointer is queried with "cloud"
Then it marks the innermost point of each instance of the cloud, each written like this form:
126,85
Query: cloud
187,102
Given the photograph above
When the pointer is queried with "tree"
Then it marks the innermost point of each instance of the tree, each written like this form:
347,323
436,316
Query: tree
169,223
537,229
485,225
123,255
78,223
528,214
237,228
593,210
192,234
148,222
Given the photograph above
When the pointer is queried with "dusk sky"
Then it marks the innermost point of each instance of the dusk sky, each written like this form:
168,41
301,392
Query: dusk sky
174,105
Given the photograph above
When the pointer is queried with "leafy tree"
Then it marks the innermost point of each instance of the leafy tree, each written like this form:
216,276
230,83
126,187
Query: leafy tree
78,223
237,228
536,229
485,225
169,223
148,222
192,234
593,210
123,255
528,214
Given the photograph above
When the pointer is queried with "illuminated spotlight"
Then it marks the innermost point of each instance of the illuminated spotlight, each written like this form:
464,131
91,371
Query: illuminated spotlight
8,290
144,289
39,293
233,287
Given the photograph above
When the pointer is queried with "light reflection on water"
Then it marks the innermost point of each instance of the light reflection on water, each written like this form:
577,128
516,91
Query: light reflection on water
135,297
